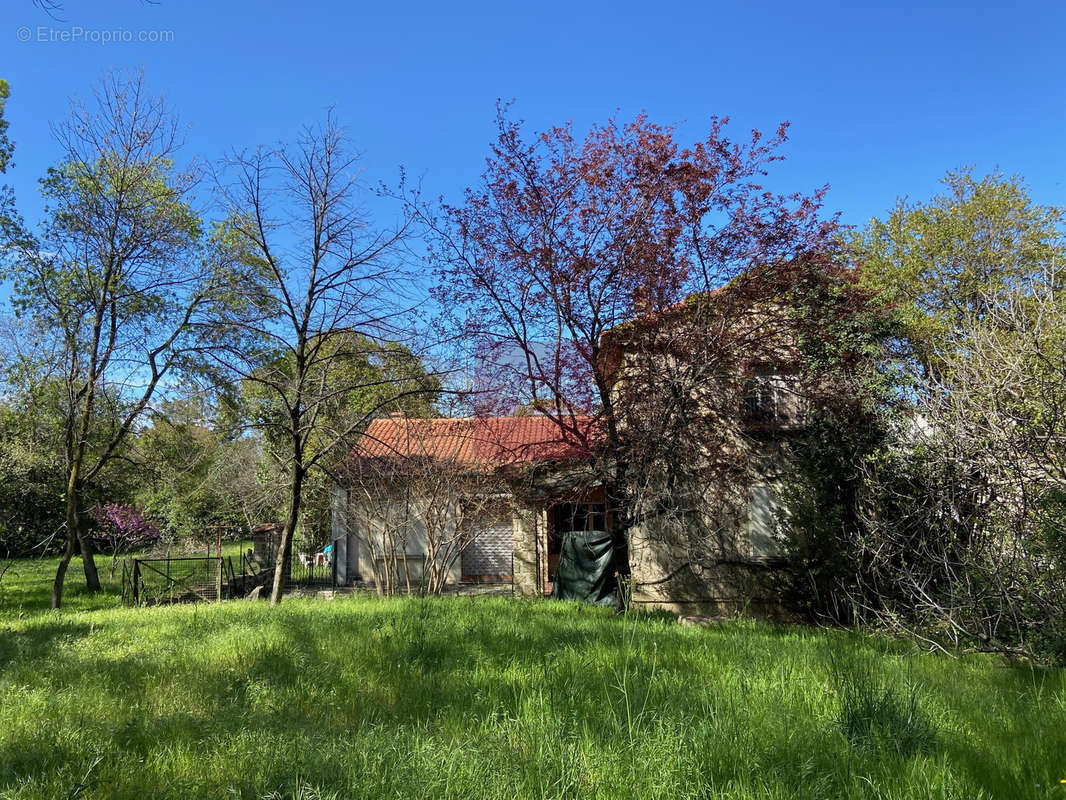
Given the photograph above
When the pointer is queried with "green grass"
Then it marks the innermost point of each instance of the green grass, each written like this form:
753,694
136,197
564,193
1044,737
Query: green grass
495,698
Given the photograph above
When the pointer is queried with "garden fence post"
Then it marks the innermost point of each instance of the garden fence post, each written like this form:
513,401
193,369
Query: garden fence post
218,573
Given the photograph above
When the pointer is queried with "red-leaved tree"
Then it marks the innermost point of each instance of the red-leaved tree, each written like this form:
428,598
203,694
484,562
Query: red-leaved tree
566,238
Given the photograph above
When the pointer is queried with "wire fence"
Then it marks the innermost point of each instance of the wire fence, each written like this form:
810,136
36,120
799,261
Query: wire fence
182,579
235,570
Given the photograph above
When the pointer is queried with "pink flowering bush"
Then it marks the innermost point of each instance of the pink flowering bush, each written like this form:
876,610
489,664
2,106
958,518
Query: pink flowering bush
121,528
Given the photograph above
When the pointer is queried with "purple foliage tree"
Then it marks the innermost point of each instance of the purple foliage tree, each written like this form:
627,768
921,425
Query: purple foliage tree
121,528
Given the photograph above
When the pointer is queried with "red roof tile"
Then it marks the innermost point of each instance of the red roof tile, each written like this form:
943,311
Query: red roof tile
479,442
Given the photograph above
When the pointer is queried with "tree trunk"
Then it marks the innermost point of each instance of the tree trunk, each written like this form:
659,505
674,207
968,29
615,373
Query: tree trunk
88,563
72,538
619,513
61,571
618,499
284,557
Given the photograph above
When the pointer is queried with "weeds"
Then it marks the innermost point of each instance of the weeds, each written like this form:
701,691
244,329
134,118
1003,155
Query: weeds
496,699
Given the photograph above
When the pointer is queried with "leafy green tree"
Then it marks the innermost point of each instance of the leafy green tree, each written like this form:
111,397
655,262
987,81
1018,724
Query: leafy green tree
114,278
10,227
32,465
954,530
199,475
7,148
178,453
942,262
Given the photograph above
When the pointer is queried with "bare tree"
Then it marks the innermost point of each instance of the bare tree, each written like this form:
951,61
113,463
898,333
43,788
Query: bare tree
116,277
453,503
54,8
320,299
234,471
380,515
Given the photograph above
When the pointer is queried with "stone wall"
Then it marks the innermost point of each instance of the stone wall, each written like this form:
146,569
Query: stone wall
527,527
701,572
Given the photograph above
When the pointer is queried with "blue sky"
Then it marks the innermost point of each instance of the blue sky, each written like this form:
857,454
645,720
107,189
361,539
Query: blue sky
883,97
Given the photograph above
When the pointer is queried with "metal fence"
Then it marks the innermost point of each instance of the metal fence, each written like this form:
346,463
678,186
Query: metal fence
183,579
187,579
304,571
309,572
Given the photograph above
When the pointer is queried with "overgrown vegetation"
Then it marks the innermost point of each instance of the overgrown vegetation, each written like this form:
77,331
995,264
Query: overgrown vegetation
926,496
495,698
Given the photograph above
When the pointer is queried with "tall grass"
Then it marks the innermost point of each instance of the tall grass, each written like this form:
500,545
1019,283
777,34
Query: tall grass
881,714
496,698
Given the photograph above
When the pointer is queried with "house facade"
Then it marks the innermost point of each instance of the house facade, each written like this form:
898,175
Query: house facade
473,500
710,398
712,413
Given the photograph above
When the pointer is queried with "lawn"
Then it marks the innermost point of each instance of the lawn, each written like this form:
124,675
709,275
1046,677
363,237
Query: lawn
496,698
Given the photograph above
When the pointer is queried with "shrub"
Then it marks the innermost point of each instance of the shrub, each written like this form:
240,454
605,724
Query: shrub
121,528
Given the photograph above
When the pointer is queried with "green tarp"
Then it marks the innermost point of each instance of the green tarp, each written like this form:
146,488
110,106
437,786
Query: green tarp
586,568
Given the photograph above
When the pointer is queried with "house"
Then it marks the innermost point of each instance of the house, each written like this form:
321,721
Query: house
444,501
436,502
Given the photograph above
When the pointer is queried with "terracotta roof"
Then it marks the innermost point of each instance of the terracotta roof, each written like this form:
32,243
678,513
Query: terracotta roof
478,442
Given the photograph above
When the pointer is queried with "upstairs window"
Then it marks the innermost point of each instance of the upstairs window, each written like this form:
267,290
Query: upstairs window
769,398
